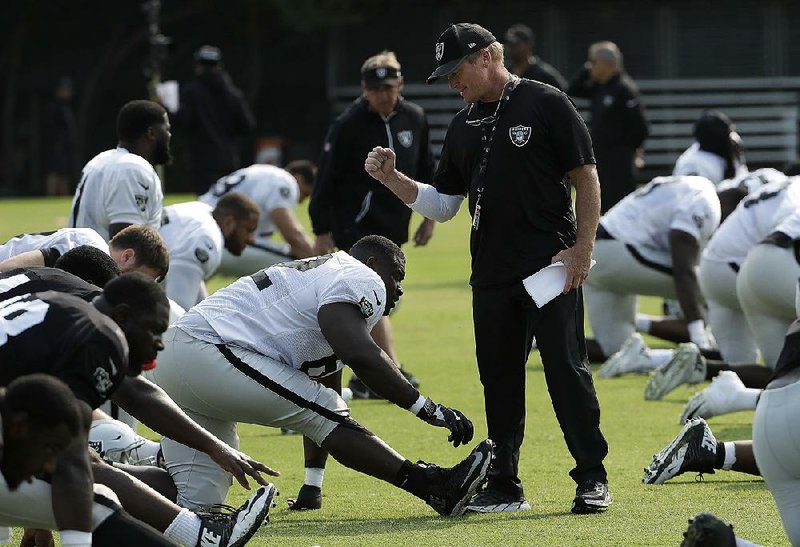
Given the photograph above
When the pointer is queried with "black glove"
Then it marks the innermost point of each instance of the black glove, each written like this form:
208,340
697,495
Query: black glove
461,429
309,497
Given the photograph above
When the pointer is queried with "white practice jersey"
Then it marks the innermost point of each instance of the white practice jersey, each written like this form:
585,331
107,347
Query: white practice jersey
269,186
790,225
117,187
700,163
274,311
193,237
754,218
645,217
60,241
752,180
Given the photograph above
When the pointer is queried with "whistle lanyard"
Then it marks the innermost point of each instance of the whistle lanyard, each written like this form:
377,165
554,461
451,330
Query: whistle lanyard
488,126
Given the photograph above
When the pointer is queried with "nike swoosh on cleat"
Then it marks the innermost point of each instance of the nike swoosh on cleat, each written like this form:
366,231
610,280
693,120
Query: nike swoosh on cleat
473,467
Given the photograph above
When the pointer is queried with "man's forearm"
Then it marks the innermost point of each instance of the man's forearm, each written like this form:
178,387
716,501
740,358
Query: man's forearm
151,405
687,289
72,485
587,203
402,186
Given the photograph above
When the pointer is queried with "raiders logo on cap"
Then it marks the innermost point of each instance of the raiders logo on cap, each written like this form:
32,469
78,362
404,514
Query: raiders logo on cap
439,51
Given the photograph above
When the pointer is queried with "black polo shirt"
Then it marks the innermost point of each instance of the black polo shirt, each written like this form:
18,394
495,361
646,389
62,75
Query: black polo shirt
526,208
544,72
63,336
21,281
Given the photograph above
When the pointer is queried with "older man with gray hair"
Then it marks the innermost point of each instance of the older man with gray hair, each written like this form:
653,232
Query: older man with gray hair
617,122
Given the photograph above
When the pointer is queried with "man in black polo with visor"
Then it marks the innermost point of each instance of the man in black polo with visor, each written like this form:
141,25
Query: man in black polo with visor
516,151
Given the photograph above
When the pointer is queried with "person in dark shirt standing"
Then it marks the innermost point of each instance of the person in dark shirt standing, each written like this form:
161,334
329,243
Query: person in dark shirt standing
618,125
519,42
516,152
215,117
347,204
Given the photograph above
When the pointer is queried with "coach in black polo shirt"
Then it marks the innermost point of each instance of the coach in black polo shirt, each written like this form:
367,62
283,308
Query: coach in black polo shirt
516,151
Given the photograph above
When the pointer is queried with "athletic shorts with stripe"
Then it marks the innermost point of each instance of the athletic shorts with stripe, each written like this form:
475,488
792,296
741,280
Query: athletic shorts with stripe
218,386
611,290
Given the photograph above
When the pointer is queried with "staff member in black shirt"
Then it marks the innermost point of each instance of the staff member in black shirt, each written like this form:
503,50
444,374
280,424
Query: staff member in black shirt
519,44
347,204
617,119
516,151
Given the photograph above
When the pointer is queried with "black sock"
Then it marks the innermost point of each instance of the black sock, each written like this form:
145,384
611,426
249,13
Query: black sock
411,478
720,456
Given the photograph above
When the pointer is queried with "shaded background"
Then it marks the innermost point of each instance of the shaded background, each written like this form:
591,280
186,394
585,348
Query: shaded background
288,57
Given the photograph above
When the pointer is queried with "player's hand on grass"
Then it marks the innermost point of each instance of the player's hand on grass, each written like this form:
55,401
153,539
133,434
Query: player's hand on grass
33,537
461,429
309,497
240,465
577,261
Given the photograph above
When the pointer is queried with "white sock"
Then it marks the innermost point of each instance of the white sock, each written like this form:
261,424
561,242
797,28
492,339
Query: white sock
746,399
744,543
643,322
730,456
185,529
660,357
314,476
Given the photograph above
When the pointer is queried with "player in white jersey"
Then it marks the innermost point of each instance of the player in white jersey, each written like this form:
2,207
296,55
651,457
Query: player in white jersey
753,220
766,287
272,340
137,248
195,234
648,243
716,153
120,187
52,244
277,192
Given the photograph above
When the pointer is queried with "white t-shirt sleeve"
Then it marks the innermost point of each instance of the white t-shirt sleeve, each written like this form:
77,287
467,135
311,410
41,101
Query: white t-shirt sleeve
127,202
366,292
183,283
696,217
285,196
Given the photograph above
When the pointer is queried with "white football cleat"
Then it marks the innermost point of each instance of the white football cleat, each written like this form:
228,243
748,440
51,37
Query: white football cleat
726,394
633,356
686,367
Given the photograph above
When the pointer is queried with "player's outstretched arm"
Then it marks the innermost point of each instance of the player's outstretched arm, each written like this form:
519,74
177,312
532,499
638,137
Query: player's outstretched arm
151,405
27,259
346,331
73,484
685,254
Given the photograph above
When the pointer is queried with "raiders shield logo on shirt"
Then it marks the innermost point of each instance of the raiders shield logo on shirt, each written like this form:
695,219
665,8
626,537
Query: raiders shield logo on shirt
102,380
520,134
366,307
141,202
406,138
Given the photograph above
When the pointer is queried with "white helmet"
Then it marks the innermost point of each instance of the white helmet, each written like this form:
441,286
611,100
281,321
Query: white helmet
116,442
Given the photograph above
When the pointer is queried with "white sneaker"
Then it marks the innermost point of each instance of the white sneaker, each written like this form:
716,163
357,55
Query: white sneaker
686,367
633,356
721,397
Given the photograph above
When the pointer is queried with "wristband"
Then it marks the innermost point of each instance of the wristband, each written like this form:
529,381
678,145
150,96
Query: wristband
75,538
418,405
697,330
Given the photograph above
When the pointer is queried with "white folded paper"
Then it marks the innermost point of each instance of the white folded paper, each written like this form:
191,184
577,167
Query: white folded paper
169,95
547,283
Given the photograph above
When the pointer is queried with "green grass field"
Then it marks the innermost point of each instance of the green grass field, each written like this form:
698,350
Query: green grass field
433,333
